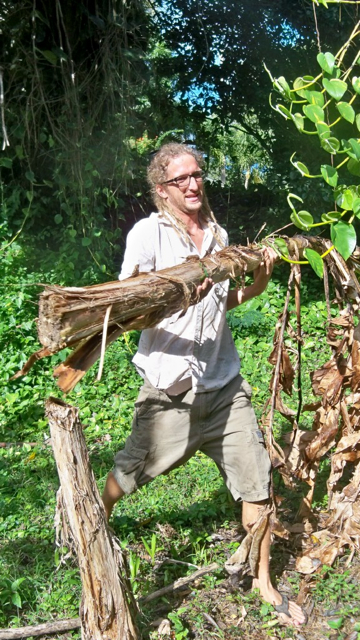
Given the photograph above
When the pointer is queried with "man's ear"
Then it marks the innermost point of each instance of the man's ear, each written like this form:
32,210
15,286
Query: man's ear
161,191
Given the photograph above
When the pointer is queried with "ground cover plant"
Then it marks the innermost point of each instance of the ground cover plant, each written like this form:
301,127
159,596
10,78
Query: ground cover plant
38,582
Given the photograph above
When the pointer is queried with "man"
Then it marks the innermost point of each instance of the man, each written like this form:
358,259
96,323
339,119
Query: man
193,397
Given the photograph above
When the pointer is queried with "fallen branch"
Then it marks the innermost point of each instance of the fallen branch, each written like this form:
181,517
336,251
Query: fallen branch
47,628
181,582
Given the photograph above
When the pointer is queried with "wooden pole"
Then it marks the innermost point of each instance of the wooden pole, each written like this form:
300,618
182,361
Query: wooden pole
107,609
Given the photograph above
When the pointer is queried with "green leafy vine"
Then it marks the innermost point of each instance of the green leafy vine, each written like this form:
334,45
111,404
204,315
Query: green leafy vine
327,105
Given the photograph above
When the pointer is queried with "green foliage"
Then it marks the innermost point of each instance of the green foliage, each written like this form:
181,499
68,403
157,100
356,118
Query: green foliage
315,261
179,628
334,121
10,593
134,567
338,587
105,88
151,547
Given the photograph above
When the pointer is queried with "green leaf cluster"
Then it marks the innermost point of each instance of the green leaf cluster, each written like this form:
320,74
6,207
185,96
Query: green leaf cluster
327,106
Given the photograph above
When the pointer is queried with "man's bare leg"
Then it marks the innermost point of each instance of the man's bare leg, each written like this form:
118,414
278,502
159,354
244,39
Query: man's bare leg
262,581
111,495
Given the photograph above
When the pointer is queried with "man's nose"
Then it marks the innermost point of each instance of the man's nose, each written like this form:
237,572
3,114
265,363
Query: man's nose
193,183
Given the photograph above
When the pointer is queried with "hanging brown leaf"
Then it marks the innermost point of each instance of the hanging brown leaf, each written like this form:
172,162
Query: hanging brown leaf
355,359
351,491
327,424
286,372
328,381
236,562
337,467
294,451
258,535
285,411
279,529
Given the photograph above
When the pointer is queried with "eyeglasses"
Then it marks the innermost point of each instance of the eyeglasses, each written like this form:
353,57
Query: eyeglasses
184,181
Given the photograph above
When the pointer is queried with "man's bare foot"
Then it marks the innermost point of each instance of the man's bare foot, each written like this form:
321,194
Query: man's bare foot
288,611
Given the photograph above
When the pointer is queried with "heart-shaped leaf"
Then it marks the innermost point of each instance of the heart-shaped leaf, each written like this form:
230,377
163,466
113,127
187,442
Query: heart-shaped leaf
345,198
315,261
326,61
314,112
343,236
302,168
315,97
335,88
354,167
283,110
302,219
355,146
282,86
356,207
298,121
331,145
329,174
356,84
281,246
302,82
323,130
331,216
346,111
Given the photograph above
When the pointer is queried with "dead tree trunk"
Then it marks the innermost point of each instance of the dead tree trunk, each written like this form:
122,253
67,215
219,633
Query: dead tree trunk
105,612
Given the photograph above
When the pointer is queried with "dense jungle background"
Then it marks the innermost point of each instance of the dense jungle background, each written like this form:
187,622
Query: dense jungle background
89,90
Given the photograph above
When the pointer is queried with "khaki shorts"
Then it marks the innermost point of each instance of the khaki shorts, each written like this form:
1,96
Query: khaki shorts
168,430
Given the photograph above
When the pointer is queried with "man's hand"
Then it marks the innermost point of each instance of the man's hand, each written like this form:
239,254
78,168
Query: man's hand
203,289
263,272
262,276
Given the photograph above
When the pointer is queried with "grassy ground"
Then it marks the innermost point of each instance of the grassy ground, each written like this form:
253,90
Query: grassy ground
177,522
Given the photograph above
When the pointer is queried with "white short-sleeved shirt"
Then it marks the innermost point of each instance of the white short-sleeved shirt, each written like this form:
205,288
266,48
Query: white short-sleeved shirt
195,349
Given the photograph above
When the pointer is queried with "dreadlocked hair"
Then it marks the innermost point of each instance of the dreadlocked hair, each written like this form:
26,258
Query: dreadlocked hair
156,174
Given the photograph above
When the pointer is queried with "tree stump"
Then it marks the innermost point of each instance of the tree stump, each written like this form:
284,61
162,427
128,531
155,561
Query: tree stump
107,609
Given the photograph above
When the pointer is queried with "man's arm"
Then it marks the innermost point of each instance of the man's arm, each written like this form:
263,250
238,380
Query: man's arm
262,276
139,253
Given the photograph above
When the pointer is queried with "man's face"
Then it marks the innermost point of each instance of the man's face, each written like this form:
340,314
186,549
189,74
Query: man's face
184,200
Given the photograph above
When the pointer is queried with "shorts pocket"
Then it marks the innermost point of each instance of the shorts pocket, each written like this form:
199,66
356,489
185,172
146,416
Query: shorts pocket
146,403
131,459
